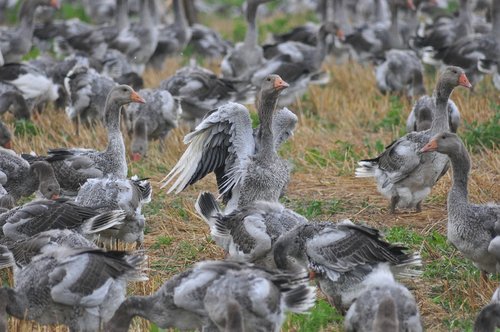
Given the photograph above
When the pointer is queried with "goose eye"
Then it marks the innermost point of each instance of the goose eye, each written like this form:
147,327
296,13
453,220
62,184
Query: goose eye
269,79
443,137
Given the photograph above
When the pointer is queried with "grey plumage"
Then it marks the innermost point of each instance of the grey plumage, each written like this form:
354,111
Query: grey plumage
341,257
74,166
488,319
202,296
401,72
471,227
109,194
385,306
249,233
420,117
80,288
43,215
151,121
24,179
223,143
404,175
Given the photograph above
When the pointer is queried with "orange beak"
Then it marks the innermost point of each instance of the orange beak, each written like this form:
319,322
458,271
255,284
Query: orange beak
136,156
54,3
431,146
134,96
54,197
279,84
410,4
340,34
312,275
464,81
8,145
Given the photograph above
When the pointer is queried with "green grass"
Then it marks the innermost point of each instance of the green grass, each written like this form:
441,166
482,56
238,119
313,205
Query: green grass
483,135
321,316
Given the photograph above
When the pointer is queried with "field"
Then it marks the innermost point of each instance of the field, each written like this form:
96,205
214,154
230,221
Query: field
340,123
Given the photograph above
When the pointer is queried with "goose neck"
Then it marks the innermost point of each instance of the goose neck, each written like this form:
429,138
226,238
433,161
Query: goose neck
440,117
266,109
460,164
251,35
122,21
495,16
465,18
180,16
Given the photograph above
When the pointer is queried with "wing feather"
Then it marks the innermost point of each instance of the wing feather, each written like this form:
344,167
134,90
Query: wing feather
222,141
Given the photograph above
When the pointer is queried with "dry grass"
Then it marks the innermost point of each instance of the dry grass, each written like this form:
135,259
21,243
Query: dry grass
337,126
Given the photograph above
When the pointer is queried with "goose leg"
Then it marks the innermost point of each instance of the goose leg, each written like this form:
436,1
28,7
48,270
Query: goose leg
394,202
418,208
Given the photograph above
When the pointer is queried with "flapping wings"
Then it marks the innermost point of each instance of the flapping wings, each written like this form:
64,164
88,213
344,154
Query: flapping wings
221,144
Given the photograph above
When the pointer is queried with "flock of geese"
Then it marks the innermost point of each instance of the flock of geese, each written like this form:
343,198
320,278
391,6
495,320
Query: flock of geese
61,276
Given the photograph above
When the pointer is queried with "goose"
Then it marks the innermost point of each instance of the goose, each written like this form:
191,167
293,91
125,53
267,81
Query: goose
42,215
173,38
35,86
215,294
208,42
74,166
139,42
401,72
101,11
201,91
6,200
153,120
467,51
471,227
5,136
420,117
403,174
248,234
223,143
299,64
24,179
14,102
374,39
488,318
341,256
15,43
25,250
87,91
80,288
108,194
385,306
246,57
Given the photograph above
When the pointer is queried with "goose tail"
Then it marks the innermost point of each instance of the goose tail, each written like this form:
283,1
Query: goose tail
300,299
409,268
366,168
207,208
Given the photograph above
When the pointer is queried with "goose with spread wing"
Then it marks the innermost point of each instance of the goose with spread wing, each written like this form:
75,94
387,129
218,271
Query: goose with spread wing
224,143
403,174
341,256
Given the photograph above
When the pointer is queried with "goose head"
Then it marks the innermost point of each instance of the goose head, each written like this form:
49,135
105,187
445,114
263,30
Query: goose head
452,77
443,143
49,187
331,28
124,94
5,137
14,102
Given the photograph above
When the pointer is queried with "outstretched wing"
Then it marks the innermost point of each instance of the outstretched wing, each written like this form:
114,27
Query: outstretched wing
220,143
342,248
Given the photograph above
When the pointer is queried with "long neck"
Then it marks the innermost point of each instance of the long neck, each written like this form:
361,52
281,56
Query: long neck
379,11
340,16
146,17
394,35
26,17
134,306
460,163
122,15
180,16
321,48
266,137
495,16
440,117
115,138
252,33
465,18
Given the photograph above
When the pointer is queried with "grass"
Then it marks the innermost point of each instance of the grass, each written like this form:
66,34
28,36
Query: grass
338,124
